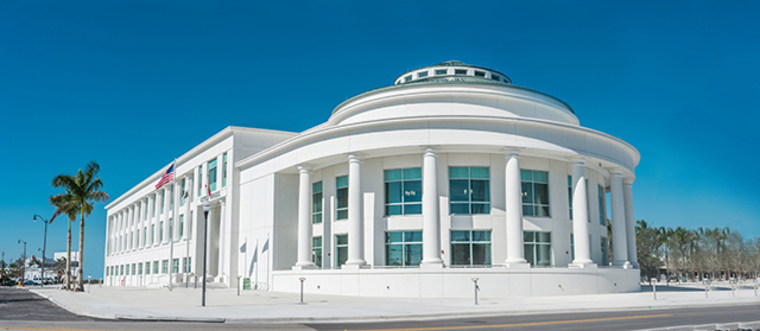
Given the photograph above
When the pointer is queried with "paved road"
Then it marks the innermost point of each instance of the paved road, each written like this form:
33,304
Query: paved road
22,310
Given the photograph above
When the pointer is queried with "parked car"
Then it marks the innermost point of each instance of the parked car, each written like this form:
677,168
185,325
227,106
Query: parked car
31,282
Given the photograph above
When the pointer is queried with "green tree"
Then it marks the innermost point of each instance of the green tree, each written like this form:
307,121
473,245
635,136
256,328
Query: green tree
82,190
648,246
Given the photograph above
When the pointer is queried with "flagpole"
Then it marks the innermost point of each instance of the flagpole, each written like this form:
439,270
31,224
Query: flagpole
171,224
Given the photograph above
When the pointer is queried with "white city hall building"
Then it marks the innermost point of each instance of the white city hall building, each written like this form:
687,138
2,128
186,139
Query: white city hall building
411,190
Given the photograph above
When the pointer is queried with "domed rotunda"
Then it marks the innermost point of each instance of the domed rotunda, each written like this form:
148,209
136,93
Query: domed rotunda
415,189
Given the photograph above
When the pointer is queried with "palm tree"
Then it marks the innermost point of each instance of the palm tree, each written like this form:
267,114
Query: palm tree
82,190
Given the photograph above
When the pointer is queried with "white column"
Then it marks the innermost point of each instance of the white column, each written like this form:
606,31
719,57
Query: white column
619,245
304,218
580,216
513,194
219,166
431,238
630,222
355,234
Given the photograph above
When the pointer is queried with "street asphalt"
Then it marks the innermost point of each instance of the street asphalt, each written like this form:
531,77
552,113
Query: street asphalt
24,310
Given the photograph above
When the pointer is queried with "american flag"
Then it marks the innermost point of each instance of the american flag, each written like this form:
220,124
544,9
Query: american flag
167,177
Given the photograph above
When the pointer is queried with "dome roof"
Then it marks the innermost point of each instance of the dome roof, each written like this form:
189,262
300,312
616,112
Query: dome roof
453,71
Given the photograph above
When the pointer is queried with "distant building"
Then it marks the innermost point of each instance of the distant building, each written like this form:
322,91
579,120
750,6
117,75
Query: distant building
410,190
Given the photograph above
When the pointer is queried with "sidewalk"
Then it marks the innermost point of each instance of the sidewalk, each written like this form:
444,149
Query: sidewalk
223,305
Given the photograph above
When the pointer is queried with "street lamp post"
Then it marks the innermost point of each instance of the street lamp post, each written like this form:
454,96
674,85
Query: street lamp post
44,245
23,277
206,209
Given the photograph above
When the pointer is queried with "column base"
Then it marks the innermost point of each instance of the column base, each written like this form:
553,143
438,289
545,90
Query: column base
352,266
623,264
517,264
583,265
431,265
304,266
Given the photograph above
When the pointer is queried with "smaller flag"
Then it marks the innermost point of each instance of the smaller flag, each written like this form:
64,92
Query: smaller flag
265,247
167,177
243,248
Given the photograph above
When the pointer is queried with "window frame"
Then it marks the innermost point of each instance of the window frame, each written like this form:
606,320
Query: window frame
535,245
407,207
405,245
317,200
485,204
471,242
341,211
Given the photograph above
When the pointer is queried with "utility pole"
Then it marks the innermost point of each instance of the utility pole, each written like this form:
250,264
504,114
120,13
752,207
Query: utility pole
23,277
44,245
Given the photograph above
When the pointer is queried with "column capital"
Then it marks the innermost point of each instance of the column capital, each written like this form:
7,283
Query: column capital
578,160
304,168
354,157
430,150
628,181
616,172
512,153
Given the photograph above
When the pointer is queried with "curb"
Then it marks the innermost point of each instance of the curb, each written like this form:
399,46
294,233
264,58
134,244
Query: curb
64,307
392,318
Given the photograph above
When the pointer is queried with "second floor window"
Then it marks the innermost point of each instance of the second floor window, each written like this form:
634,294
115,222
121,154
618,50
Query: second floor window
212,175
341,192
469,190
316,203
535,192
403,191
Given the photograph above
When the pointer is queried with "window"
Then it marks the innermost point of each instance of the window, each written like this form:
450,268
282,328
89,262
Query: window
182,193
127,269
200,180
538,248
153,206
224,170
470,247
175,265
212,175
480,73
460,71
145,210
171,229
181,225
155,267
495,77
605,251
152,233
145,236
161,232
316,251
572,247
186,264
469,191
138,238
602,214
190,227
422,74
341,185
316,202
440,72
140,268
134,269
407,78
147,268
535,193
570,195
341,249
121,270
403,191
403,248
165,266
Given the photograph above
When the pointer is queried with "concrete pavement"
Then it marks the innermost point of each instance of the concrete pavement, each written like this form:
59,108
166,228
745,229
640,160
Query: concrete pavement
223,305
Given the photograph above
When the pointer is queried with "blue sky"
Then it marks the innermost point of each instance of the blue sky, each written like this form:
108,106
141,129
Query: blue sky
133,84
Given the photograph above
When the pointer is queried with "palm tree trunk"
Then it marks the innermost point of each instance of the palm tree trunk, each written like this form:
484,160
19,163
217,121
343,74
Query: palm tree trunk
80,271
68,259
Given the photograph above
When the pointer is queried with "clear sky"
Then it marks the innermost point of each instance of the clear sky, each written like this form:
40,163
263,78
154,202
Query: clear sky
133,84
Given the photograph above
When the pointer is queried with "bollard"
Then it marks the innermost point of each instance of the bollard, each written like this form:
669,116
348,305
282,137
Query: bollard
654,288
756,289
706,289
196,282
733,288
238,284
477,288
302,279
